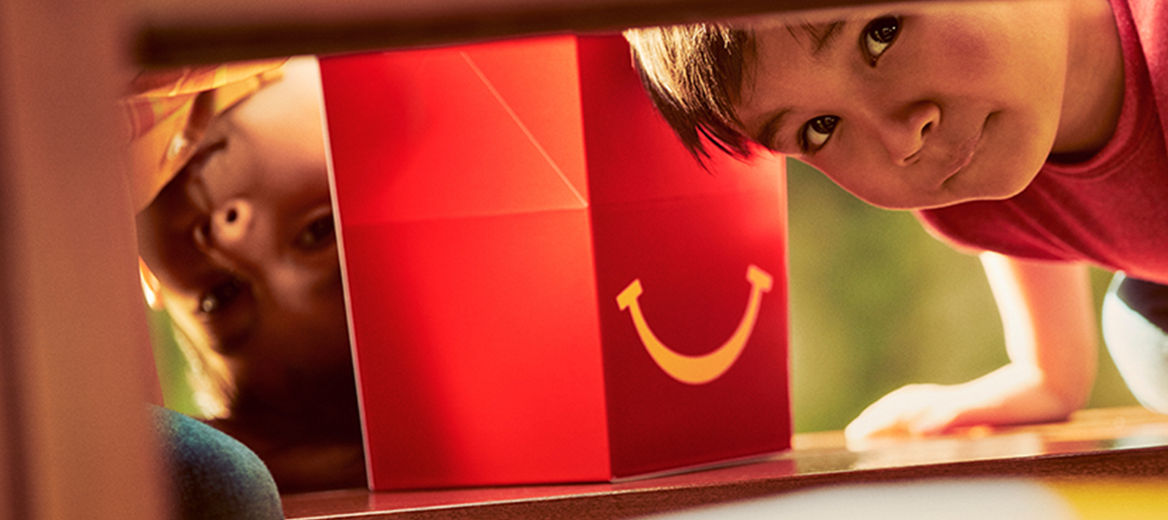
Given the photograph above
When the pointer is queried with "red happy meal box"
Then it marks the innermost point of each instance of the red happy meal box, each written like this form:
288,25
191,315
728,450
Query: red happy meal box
543,285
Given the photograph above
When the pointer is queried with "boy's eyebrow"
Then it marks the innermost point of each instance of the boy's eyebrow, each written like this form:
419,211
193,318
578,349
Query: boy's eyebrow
822,35
767,134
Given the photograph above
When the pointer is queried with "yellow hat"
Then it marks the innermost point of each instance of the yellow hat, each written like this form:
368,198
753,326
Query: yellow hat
169,111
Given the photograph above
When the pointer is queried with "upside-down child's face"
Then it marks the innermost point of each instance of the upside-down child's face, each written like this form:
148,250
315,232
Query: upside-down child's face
242,239
922,109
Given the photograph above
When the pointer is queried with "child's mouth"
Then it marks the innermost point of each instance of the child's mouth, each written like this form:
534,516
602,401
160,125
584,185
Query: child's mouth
964,153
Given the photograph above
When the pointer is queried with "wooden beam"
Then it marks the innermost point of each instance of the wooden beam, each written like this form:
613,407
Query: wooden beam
173,32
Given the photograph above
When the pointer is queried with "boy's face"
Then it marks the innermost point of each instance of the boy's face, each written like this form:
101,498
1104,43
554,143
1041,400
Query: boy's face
242,241
920,109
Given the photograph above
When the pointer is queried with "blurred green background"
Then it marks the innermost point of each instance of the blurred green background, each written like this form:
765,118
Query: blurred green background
177,392
876,303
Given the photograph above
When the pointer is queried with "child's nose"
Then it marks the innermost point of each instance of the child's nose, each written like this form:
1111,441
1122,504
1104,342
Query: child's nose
905,132
236,236
231,223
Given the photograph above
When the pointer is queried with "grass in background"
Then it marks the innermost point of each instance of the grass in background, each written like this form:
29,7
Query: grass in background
171,365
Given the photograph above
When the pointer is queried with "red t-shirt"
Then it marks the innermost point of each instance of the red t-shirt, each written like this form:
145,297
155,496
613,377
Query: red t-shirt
1111,210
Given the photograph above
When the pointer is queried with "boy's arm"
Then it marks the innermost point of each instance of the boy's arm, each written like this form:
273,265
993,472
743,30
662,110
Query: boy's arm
1049,323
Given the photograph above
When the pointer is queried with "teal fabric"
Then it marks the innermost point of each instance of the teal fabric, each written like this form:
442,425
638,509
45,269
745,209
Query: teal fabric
213,476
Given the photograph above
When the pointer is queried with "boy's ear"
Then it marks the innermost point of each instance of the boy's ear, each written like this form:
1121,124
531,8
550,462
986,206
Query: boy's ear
150,286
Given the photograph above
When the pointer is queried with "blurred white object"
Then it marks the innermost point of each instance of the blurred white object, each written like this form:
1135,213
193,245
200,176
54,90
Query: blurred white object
974,499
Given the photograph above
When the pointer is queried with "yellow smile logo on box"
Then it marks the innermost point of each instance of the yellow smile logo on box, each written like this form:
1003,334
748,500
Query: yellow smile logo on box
696,370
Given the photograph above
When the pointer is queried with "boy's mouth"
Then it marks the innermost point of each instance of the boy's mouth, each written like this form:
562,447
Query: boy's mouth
964,153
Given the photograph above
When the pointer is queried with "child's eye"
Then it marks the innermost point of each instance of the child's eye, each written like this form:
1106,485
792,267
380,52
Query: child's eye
220,295
316,234
878,36
816,133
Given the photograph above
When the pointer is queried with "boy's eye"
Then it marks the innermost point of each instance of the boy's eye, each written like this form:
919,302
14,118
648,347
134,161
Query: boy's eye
316,234
220,295
878,36
816,133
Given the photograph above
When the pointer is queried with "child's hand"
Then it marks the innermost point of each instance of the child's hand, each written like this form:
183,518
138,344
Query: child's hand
1009,395
1047,315
911,410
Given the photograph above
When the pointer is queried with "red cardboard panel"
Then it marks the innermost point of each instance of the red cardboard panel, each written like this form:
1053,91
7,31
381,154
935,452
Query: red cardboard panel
396,105
482,366
530,79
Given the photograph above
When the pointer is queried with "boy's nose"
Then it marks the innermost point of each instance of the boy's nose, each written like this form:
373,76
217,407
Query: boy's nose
905,132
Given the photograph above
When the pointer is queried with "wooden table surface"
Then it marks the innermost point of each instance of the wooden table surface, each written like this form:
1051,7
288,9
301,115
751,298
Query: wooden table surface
1112,443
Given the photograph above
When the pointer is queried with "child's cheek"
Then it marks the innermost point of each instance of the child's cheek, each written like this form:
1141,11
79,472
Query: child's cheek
963,51
854,169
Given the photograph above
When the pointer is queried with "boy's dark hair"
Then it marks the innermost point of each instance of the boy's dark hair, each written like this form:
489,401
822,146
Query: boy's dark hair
693,74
